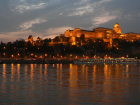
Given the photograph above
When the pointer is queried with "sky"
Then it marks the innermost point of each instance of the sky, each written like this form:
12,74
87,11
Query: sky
49,18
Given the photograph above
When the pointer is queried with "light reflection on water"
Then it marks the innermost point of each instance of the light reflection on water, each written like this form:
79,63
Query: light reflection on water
69,84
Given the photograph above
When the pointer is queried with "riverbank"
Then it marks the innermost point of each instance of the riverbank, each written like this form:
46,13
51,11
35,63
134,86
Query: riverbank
35,61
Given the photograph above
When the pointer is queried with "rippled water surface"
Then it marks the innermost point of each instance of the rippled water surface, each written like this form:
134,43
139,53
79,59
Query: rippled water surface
69,84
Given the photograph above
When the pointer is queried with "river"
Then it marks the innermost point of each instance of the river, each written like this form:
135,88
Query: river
69,84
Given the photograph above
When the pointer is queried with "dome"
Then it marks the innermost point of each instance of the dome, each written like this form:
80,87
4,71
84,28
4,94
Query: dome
116,25
77,29
117,28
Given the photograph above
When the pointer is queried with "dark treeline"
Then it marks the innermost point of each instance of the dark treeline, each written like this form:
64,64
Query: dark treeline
20,48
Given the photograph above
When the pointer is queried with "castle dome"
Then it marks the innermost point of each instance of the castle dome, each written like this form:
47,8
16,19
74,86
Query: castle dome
76,29
116,25
117,28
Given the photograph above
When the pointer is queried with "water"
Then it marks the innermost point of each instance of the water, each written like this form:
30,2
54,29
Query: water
69,84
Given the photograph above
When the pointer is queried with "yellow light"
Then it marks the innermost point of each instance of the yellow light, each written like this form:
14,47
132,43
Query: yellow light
46,55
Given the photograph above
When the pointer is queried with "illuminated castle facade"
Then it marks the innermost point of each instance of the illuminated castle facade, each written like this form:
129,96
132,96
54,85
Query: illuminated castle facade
107,35
102,33
96,33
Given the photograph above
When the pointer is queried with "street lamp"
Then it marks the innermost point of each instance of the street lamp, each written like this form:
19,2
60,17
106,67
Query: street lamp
127,56
4,54
12,56
18,54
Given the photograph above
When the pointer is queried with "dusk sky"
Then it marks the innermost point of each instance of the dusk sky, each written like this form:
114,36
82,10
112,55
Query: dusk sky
49,18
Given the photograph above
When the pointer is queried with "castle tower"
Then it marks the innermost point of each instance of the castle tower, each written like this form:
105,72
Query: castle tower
117,28
30,38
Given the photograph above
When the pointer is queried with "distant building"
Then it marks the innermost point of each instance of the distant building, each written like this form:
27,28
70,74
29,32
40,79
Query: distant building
131,36
30,39
38,39
77,35
117,28
96,33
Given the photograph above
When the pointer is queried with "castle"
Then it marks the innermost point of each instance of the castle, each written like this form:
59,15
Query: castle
105,34
96,33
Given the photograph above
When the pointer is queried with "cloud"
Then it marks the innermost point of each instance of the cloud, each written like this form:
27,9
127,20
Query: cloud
49,33
104,18
29,24
84,7
23,8
6,37
57,31
60,13
82,10
104,1
138,14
